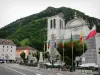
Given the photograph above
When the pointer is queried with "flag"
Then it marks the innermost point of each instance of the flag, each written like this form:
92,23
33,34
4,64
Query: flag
48,45
55,44
71,40
62,44
81,37
91,33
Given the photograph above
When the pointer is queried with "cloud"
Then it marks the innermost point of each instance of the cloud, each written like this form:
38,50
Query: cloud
11,10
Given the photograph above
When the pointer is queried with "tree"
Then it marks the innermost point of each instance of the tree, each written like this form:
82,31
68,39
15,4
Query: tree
34,54
77,49
67,60
47,55
37,55
22,55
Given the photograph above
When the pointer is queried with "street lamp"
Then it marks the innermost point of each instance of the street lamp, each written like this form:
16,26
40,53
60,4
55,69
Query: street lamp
63,44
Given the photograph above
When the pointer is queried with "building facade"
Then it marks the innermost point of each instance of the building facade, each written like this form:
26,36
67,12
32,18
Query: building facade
98,48
60,30
7,50
25,49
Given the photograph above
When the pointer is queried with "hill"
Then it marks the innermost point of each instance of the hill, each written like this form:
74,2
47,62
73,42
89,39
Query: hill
31,31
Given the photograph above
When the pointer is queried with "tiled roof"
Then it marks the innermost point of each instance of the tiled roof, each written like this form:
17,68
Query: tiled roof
6,42
25,48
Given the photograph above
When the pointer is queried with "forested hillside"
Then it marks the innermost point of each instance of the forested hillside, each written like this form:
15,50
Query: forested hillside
31,30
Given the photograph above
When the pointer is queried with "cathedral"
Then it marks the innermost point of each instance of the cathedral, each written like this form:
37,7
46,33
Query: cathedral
57,29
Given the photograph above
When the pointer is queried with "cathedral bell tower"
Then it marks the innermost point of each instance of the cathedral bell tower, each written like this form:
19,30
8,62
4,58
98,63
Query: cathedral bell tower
54,28
55,25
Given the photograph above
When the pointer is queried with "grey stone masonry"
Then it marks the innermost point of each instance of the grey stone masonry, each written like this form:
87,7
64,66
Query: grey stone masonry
91,53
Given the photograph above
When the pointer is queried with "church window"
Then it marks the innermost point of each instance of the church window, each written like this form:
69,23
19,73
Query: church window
51,24
54,23
60,24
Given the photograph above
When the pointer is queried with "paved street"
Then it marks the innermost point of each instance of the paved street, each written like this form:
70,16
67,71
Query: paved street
9,70
15,69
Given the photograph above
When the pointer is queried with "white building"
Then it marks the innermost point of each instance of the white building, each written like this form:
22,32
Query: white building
98,48
60,30
7,50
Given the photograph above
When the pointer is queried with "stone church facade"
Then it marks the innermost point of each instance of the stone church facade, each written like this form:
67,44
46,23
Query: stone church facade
57,27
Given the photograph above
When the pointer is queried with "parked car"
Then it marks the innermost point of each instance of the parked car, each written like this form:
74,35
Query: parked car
1,61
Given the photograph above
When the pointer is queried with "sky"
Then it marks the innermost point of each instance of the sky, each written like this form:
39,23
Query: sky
11,10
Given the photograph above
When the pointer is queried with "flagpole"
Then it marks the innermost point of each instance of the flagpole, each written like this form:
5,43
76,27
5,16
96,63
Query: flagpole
83,46
72,52
83,52
63,54
72,56
44,54
63,45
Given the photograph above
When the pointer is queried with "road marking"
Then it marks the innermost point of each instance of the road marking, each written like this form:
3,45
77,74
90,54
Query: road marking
59,74
28,69
38,74
15,71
